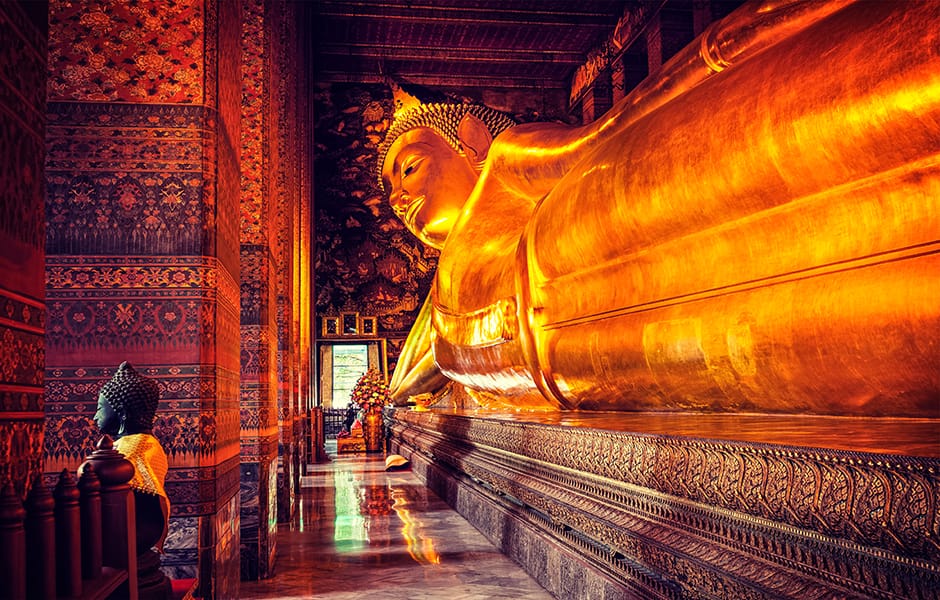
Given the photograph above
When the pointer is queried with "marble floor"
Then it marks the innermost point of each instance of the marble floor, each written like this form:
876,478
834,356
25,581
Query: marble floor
364,533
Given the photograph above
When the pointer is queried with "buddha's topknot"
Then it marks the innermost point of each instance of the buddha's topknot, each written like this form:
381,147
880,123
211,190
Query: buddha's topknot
132,395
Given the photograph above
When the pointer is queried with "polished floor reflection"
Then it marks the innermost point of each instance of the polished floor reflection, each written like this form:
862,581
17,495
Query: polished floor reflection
362,532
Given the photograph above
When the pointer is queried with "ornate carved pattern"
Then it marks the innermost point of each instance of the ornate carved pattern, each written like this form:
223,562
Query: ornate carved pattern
21,336
69,272
135,321
20,452
259,448
812,474
22,399
252,122
181,387
142,51
729,520
138,305
203,490
100,202
256,284
697,565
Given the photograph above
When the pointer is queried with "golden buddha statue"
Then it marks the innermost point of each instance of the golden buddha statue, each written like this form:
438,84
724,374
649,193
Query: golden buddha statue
754,228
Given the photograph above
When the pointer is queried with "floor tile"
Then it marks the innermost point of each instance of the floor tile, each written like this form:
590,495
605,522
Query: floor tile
364,533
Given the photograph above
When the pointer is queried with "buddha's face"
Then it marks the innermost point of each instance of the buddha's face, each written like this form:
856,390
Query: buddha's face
428,183
107,420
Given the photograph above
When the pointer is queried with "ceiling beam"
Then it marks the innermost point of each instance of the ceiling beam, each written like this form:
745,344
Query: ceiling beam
422,78
405,52
460,15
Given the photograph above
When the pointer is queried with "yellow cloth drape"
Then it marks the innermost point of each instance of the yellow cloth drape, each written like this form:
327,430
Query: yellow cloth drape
150,468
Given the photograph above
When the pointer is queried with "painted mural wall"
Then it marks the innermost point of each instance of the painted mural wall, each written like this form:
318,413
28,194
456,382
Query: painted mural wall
365,259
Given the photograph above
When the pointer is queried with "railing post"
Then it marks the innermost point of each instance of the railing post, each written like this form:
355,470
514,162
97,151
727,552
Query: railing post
40,542
12,545
117,510
90,510
68,543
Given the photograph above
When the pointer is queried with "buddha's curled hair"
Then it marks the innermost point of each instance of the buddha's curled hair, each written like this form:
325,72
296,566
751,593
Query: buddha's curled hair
132,395
444,118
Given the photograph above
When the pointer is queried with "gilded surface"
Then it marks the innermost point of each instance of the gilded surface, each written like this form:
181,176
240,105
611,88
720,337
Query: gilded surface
753,230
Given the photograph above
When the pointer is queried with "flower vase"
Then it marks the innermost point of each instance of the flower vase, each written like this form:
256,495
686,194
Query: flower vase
373,433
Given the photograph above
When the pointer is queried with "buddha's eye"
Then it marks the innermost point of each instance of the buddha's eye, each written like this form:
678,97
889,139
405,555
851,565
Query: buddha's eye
409,166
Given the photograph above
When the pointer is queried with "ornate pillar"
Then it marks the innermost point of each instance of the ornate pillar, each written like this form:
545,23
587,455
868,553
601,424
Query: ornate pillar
142,248
288,285
272,210
258,296
22,285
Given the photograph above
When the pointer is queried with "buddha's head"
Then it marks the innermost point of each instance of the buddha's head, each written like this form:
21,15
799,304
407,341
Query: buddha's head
431,159
127,403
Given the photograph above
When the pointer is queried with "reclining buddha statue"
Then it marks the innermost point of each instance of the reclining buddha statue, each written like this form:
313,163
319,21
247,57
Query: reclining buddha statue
756,227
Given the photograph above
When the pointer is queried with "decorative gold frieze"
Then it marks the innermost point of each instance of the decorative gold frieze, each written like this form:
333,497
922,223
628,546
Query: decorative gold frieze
714,518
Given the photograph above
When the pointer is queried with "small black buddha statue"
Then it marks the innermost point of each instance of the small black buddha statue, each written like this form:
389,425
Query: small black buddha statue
127,407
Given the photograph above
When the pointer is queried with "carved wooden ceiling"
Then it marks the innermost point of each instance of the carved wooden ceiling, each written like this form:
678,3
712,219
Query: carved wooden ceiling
497,44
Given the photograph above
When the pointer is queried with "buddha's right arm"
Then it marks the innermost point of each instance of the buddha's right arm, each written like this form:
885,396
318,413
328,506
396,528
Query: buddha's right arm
416,372
423,377
529,159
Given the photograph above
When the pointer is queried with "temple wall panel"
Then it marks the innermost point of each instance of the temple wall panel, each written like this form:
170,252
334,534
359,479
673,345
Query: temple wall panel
142,248
22,290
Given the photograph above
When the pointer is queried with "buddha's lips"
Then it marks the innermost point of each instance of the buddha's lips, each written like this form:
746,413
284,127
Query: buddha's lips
412,210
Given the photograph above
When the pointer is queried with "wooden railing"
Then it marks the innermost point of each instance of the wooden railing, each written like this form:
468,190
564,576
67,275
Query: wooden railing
333,421
78,541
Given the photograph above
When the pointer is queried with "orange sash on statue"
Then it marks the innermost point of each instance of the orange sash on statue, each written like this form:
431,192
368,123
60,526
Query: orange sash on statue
150,468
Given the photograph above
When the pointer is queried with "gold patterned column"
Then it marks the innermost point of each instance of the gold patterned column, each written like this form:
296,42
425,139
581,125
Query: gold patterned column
142,241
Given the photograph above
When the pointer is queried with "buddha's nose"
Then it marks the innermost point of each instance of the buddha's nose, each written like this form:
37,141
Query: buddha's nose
399,201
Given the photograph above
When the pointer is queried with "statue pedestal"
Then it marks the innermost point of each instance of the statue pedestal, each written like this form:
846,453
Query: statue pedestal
691,505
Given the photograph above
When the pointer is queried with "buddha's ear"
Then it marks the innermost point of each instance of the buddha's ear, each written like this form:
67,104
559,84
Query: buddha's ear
475,139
